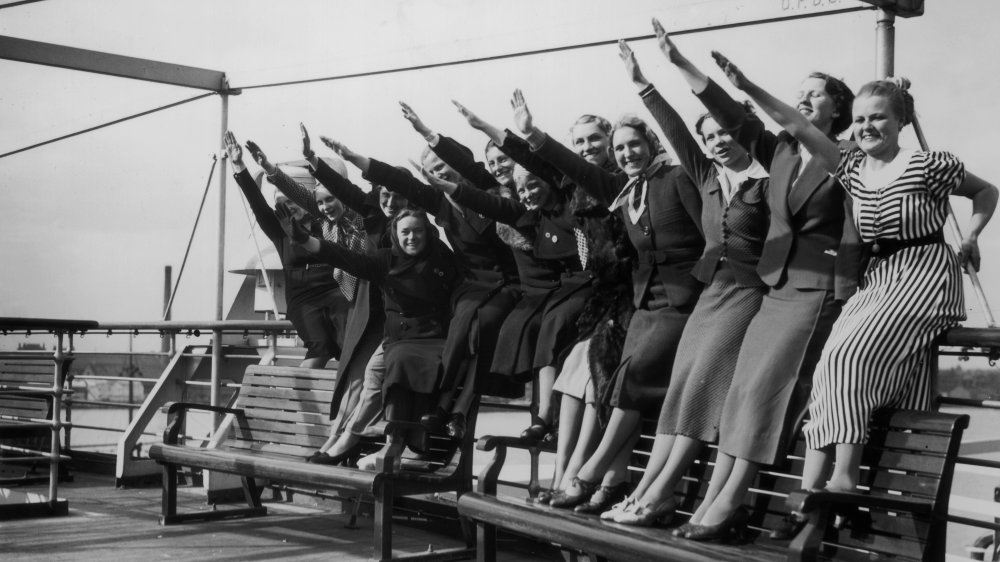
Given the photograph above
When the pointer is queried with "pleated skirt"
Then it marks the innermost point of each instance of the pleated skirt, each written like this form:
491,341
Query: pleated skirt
706,358
880,350
773,374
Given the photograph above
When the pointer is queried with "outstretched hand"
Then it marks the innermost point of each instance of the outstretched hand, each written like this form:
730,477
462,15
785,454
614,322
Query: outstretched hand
667,46
340,149
734,74
307,150
474,121
522,115
631,65
414,119
444,185
233,150
260,158
293,227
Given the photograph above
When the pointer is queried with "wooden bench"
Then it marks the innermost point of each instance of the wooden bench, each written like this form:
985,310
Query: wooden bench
906,472
281,418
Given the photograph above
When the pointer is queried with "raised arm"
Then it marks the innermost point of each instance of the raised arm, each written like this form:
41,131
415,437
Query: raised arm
352,196
415,191
748,131
824,150
365,266
513,146
265,214
689,152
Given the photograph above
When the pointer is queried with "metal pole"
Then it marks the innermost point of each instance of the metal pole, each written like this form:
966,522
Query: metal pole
885,68
885,37
57,394
168,274
220,273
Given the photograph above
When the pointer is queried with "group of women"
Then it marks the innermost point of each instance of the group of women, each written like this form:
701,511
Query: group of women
761,280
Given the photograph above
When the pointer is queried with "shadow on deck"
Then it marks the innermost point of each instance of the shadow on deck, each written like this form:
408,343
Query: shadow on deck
111,524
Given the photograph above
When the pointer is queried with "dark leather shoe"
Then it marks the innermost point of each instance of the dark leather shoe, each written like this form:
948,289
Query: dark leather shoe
733,527
315,457
604,498
536,431
434,421
455,428
325,458
787,528
565,500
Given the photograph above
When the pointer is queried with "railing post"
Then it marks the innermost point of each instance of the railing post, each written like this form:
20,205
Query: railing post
57,394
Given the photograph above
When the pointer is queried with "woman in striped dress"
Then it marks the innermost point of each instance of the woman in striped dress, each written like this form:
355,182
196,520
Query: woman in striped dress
879,352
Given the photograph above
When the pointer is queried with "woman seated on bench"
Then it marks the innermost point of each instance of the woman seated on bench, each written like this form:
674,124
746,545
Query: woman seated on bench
418,276
880,349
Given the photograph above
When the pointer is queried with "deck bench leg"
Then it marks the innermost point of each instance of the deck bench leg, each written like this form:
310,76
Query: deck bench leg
383,520
168,508
486,540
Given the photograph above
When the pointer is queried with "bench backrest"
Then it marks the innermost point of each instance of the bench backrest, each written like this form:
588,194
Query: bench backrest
287,412
909,454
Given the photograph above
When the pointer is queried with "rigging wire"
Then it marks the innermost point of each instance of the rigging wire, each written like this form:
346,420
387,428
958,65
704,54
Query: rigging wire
173,292
108,124
548,50
12,4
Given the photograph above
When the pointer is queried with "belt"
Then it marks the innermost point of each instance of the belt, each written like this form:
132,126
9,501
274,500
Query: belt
654,257
885,247
317,266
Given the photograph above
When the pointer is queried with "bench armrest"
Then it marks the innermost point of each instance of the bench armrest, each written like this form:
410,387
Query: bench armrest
487,480
177,413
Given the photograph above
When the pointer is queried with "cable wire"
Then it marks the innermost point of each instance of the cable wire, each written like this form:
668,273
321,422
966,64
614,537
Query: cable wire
108,124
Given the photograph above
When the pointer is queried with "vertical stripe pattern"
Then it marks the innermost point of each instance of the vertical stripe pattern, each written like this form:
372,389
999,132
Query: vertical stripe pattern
879,352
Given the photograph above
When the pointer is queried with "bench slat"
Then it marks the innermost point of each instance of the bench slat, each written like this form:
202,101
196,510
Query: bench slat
289,395
265,404
292,382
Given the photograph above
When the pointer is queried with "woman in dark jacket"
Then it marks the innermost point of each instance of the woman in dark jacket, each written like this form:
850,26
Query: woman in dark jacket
418,275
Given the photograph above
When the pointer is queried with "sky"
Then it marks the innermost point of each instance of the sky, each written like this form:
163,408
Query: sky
90,222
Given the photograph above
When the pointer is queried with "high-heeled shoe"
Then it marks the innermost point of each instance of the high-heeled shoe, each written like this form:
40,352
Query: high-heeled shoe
733,527
647,515
603,498
538,429
455,428
788,527
679,532
619,507
543,497
567,500
328,459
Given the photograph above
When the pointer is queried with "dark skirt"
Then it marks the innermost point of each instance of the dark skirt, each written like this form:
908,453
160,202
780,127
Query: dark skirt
413,364
559,332
770,390
642,376
317,309
481,307
706,358
515,350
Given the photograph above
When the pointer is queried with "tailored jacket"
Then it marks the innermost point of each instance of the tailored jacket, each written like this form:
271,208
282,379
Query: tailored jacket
734,232
667,238
417,291
356,199
812,242
472,235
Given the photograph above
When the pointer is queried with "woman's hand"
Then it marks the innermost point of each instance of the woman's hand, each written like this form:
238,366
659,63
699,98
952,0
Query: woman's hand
667,46
414,120
734,74
522,115
307,150
293,227
632,65
340,149
474,121
260,158
970,252
446,186
234,151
